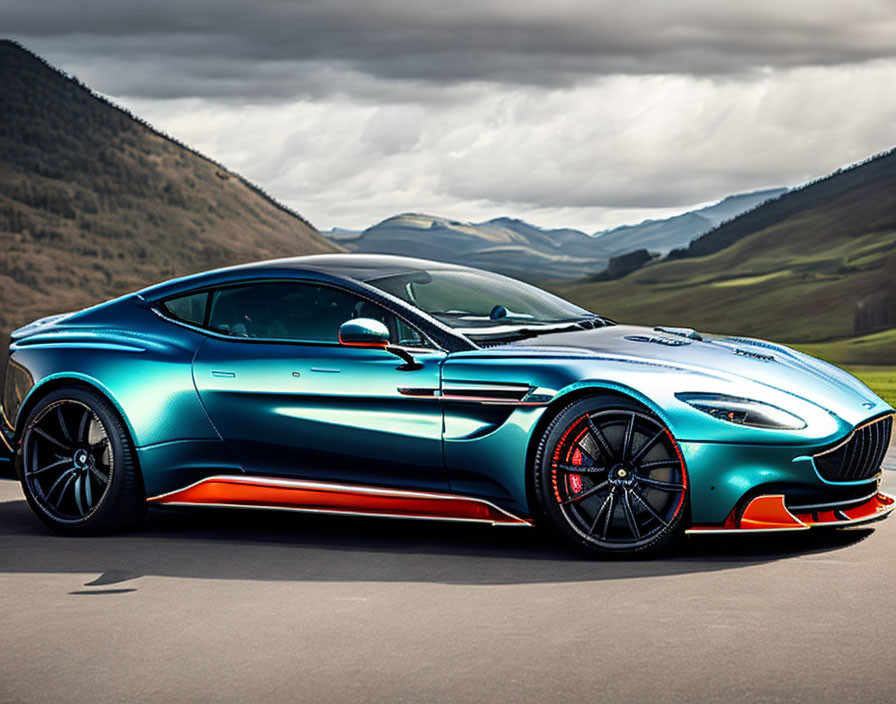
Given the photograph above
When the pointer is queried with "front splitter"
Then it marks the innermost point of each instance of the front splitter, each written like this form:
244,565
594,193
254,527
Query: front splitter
769,514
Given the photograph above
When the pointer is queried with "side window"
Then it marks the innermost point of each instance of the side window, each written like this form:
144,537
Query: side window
408,336
292,311
190,309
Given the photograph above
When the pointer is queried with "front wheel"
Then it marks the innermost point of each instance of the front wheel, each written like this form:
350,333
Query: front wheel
77,465
610,478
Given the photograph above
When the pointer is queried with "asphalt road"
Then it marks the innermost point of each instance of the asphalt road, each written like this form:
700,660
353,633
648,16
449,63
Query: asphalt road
260,607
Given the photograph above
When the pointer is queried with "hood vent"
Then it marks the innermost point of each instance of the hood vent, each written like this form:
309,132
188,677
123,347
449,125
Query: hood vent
754,355
658,340
689,333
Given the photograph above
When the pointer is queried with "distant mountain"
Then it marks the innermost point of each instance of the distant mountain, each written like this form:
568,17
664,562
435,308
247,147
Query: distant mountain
818,263
662,236
95,203
517,248
340,234
505,245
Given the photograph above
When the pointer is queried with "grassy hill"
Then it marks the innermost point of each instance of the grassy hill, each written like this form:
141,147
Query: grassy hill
817,265
94,203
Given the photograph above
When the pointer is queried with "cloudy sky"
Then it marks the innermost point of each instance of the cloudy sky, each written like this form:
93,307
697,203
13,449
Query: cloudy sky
579,113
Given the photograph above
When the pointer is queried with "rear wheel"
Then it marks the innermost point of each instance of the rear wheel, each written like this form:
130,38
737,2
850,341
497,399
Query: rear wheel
78,468
610,478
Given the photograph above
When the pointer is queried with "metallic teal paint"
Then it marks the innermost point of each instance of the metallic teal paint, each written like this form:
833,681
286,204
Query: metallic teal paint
197,403
324,411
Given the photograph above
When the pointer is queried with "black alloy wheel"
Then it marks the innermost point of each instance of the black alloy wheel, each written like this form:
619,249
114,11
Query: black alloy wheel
610,477
77,465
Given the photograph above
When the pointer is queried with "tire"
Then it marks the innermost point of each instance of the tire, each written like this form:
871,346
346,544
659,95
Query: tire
78,467
610,479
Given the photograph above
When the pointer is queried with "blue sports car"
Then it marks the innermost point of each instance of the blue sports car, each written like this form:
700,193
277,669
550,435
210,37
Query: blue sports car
389,386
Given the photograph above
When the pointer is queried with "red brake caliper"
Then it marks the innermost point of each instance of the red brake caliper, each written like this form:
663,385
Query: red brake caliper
575,480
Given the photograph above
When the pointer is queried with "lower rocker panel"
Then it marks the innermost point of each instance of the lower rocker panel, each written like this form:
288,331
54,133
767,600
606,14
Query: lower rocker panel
324,497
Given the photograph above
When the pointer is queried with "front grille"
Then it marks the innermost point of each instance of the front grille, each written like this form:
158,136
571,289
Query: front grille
860,457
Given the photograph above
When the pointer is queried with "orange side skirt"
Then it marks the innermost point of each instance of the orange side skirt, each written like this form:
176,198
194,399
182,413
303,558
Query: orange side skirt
324,497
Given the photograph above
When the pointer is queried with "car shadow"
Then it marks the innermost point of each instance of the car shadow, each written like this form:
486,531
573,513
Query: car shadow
270,545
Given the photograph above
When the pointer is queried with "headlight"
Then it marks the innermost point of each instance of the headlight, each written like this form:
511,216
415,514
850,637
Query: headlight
743,411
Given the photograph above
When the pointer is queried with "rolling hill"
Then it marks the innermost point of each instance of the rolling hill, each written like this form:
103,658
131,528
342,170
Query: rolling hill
817,264
94,203
516,248
663,236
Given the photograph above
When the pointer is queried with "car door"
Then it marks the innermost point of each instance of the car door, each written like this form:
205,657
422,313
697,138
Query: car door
290,400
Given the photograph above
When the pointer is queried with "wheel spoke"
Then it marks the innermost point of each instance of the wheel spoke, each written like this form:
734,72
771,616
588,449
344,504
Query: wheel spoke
601,439
66,473
662,486
646,446
609,516
585,494
84,425
579,469
88,492
627,441
64,460
654,464
63,490
600,512
77,493
640,497
46,436
630,516
62,426
584,450
99,475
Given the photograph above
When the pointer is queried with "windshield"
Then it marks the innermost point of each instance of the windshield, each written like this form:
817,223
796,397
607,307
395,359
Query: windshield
471,300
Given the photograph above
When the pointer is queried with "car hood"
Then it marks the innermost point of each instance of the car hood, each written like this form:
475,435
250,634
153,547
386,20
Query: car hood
734,359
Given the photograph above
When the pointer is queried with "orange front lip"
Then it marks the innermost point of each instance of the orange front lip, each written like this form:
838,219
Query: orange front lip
324,497
874,509
768,513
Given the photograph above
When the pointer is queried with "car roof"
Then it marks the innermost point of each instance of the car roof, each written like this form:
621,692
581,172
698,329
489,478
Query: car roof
364,267
358,267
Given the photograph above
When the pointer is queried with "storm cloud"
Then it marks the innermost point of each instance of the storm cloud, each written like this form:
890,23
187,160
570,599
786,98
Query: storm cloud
223,47
569,112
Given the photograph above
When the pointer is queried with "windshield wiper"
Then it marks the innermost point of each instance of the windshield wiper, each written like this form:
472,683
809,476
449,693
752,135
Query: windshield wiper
466,315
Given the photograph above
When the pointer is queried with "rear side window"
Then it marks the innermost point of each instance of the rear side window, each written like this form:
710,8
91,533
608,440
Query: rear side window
190,309
283,311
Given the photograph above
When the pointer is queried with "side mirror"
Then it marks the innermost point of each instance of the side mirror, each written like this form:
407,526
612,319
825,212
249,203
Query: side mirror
364,332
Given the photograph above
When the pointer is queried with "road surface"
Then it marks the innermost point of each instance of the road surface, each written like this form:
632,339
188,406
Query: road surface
230,606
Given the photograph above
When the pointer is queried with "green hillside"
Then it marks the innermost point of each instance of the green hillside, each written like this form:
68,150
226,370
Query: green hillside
94,203
816,265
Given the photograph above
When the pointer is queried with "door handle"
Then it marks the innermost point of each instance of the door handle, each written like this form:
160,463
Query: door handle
420,392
